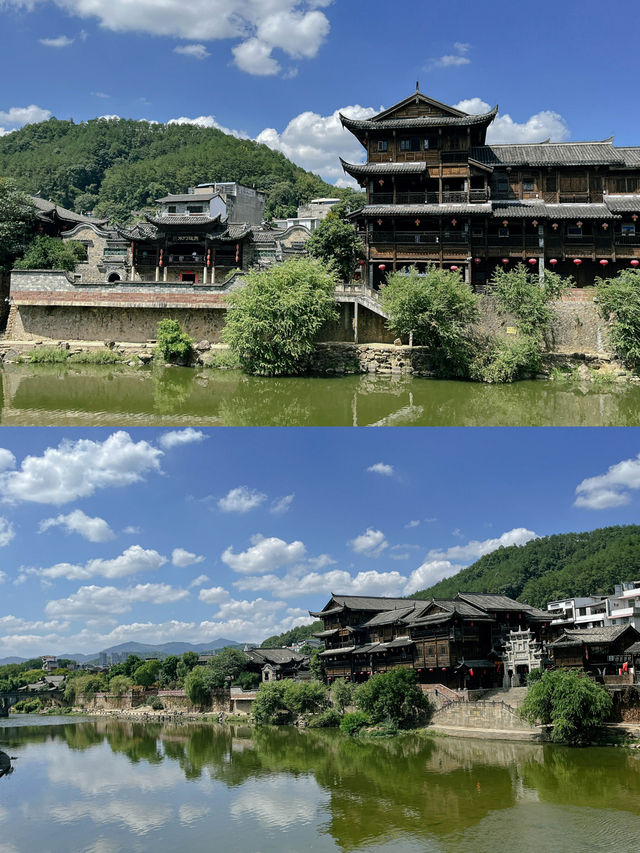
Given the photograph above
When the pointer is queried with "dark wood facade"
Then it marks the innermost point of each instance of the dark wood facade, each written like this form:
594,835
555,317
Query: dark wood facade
601,651
458,642
438,194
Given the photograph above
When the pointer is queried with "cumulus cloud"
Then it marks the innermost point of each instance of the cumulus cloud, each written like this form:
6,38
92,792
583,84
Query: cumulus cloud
381,468
610,489
371,543
7,459
282,505
451,60
301,584
195,51
264,555
241,499
99,600
209,121
131,562
413,523
199,581
7,532
546,124
475,549
16,117
296,27
178,437
315,142
93,529
18,625
182,558
77,469
60,41
3,577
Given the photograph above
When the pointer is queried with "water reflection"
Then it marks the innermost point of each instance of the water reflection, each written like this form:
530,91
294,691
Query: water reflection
103,395
116,786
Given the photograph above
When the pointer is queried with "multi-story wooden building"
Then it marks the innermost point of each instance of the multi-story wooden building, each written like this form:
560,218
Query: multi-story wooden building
461,642
438,194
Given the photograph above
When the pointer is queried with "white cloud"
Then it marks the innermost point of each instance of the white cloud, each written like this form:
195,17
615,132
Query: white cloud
279,507
430,572
130,530
298,585
7,532
410,524
60,41
381,468
132,561
316,142
20,626
371,543
451,60
195,51
214,595
178,437
257,26
7,459
3,577
76,469
182,558
241,499
546,124
99,600
93,529
16,117
201,579
610,489
209,121
264,555
475,549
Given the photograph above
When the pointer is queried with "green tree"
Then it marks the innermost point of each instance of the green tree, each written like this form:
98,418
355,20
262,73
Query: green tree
524,294
569,701
17,217
394,697
199,684
341,694
316,666
147,673
226,666
168,669
283,701
335,241
438,307
119,685
49,253
273,321
173,344
618,300
131,664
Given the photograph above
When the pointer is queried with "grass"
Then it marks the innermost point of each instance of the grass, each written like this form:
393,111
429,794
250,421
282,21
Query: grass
223,359
563,373
602,379
101,356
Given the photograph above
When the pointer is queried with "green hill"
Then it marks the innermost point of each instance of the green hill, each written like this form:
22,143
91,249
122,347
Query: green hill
119,165
552,567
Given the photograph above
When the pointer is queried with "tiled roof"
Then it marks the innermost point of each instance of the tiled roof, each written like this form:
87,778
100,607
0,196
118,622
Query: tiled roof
365,602
604,634
399,642
418,122
346,650
491,601
275,656
195,219
550,154
459,606
384,168
388,617
48,208
623,203
421,209
542,210
631,156
187,197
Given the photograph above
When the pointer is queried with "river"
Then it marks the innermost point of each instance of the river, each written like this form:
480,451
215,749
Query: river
110,786
59,395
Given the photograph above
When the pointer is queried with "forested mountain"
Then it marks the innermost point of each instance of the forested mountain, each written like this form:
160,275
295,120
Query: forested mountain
115,166
550,568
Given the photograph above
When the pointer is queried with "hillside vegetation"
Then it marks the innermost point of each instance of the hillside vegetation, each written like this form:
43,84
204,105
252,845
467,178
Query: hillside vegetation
550,568
115,166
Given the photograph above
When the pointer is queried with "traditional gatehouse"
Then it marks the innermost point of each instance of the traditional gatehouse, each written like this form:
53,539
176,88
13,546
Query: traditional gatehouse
462,642
438,194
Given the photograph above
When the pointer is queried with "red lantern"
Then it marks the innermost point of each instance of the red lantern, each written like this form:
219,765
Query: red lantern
237,252
381,182
382,267
209,257
505,260
634,262
555,226
577,261
454,269
160,262
532,261
634,216
379,221
417,222
605,225
553,261
579,224
471,672
454,222
603,263
476,260
362,263
505,222
535,223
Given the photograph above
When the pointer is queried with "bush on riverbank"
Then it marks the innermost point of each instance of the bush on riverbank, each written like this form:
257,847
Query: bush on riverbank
618,301
286,701
570,702
274,320
174,346
394,698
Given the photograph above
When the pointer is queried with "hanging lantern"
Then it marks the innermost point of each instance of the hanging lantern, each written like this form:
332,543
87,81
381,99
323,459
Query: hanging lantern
362,262
603,262
605,225
477,260
237,252
454,269
505,260
505,222
535,223
554,226
379,221
579,224
417,222
454,222
634,262
577,261
382,267
553,261
381,182
471,672
533,261
209,257
634,216
160,262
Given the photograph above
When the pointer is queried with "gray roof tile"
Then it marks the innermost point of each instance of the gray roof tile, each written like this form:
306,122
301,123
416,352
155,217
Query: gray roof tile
550,154
417,123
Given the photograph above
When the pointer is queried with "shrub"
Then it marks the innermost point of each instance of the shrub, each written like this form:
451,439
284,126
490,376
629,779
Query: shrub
248,680
335,241
173,344
282,701
51,253
438,307
351,724
273,321
269,702
618,300
101,356
48,355
522,293
532,676
394,697
155,703
341,694
570,702
498,360
119,685
329,719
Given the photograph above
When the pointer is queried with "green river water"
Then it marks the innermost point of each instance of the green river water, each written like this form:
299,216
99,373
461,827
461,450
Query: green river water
107,786
39,395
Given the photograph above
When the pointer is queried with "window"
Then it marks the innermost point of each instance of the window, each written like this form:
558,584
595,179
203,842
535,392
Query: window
503,232
502,185
550,184
171,208
628,230
477,231
405,145
383,145
194,208
528,185
574,231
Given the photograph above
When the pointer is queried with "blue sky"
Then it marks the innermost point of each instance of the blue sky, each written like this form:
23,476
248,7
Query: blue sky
279,70
155,535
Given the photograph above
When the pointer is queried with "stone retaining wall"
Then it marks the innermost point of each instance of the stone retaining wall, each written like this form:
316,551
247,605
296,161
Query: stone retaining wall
482,715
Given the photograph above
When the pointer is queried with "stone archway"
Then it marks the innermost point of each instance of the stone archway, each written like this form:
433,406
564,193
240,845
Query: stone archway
113,277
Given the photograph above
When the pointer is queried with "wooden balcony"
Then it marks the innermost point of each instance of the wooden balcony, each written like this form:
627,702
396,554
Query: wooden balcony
424,197
425,237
